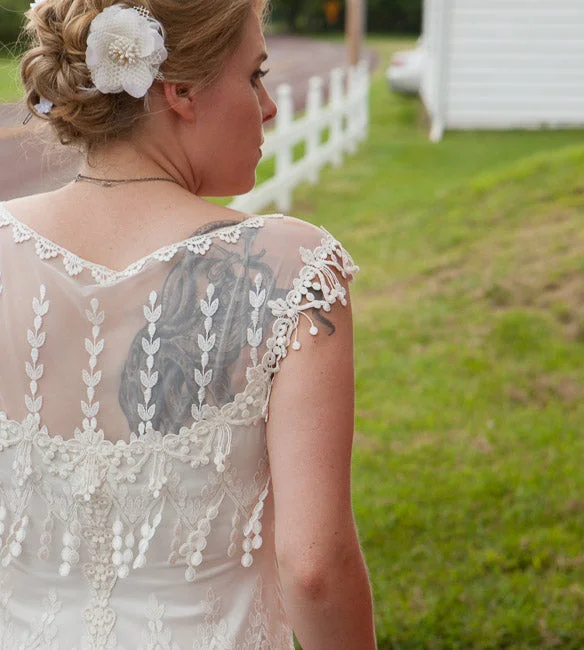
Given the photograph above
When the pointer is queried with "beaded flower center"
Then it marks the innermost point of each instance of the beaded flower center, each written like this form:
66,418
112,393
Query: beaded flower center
123,51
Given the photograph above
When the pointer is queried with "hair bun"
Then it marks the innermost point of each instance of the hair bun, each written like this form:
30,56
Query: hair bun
200,36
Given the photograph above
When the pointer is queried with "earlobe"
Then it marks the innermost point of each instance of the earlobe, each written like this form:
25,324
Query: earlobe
180,99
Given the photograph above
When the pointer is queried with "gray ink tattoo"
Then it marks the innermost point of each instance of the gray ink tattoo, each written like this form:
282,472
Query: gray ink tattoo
181,323
232,273
317,313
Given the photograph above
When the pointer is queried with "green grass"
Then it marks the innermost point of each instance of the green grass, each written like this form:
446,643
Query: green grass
469,312
10,88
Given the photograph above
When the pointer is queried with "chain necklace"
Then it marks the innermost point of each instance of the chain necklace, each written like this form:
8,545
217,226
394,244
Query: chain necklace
106,182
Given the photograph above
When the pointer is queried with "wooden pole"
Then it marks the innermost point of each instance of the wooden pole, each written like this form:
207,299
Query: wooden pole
354,28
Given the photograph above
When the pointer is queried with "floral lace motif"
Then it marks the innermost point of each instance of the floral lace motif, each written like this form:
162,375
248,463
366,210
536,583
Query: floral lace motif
262,633
74,265
100,506
316,287
43,632
158,636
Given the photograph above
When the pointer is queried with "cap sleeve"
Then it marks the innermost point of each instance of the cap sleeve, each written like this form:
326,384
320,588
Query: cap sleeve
313,276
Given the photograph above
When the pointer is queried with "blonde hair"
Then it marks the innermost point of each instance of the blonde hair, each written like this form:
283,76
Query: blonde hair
200,35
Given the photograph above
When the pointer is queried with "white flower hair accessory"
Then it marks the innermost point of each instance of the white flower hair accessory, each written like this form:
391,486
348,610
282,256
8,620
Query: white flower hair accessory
44,107
125,48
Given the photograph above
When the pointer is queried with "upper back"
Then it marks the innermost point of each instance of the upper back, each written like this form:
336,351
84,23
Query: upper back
89,348
133,443
117,226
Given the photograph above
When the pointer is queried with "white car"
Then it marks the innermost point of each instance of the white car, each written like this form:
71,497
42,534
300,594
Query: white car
404,74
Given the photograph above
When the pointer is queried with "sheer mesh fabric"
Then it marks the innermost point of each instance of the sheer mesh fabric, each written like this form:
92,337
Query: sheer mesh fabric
135,504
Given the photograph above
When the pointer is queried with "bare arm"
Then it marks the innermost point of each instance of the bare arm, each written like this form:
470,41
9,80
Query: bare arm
310,433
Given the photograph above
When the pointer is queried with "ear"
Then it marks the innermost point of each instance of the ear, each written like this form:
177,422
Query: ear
181,99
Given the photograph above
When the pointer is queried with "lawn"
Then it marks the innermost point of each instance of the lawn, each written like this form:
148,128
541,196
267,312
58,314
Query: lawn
469,344
10,88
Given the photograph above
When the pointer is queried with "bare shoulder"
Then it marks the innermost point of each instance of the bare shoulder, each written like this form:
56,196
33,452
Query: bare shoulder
305,244
292,226
115,227
28,205
65,200
292,234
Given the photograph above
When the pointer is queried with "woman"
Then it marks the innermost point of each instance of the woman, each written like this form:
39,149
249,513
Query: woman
148,499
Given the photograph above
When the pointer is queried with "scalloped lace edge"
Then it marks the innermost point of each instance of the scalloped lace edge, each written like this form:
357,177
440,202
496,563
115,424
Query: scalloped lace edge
74,265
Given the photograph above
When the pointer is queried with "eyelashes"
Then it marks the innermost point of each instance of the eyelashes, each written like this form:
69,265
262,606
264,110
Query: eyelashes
257,75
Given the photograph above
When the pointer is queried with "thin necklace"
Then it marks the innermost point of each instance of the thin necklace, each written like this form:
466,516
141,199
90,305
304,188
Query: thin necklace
107,182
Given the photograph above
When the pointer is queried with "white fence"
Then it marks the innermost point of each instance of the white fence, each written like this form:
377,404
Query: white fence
346,117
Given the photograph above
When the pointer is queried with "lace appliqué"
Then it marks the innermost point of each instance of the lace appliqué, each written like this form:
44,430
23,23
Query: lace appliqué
36,340
97,470
74,265
261,634
22,465
158,636
149,377
255,332
43,630
108,500
316,287
213,633
206,343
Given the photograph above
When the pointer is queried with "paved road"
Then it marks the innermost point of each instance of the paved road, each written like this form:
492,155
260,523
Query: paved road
29,163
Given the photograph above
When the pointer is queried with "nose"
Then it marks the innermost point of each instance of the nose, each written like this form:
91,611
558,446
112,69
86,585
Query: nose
269,108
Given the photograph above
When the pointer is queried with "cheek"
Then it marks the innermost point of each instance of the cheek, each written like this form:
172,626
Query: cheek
226,140
230,117
240,123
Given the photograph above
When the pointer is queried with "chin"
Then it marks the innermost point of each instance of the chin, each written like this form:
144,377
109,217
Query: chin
234,188
247,187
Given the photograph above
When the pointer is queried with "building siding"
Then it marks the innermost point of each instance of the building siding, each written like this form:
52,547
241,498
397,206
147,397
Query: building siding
509,64
432,33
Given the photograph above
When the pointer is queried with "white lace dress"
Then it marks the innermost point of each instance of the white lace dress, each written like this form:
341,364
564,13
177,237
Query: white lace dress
135,504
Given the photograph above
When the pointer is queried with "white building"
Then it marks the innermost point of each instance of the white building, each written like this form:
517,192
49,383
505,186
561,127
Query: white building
503,64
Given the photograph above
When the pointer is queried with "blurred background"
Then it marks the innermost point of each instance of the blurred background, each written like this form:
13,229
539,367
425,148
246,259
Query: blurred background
451,165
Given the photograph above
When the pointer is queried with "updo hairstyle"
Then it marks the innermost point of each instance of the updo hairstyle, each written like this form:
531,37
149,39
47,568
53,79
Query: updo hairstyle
200,36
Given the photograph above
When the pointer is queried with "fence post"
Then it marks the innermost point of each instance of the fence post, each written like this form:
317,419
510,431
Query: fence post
352,106
364,85
336,104
284,154
353,109
313,111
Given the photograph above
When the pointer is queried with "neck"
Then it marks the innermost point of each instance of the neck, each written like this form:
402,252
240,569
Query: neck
124,161
114,182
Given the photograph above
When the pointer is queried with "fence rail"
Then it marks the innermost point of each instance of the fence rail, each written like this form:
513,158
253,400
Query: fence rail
345,117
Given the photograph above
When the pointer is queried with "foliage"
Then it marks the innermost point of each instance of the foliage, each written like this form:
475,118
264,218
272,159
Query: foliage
299,15
11,21
397,16
469,339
